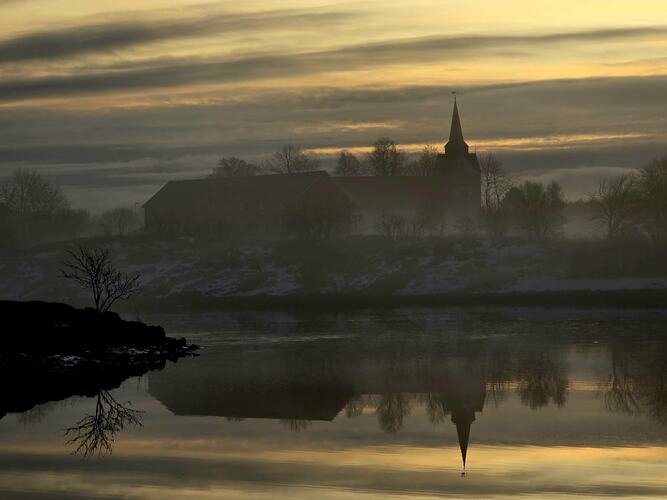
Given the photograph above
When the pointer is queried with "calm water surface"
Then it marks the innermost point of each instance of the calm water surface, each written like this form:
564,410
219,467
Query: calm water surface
414,403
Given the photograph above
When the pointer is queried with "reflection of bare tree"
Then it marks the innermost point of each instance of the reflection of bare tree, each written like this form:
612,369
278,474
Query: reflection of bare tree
391,410
618,389
637,385
95,434
355,406
434,409
295,424
542,379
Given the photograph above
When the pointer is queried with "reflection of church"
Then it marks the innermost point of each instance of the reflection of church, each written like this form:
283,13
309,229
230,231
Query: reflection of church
462,399
304,395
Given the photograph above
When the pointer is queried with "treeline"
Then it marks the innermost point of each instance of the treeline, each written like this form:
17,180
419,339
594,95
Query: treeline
385,159
624,207
33,210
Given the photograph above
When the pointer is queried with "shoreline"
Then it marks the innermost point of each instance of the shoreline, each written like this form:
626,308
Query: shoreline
619,299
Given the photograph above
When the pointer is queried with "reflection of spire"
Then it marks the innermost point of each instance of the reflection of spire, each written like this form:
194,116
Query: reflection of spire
463,422
456,144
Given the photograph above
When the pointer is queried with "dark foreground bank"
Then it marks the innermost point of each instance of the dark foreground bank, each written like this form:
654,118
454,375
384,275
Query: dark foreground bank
51,351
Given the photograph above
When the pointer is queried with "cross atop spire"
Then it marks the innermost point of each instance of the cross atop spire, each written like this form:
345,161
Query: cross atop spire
456,144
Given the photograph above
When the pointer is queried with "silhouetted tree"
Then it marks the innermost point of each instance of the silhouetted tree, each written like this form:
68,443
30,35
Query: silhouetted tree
234,167
92,270
425,164
496,183
535,208
95,434
27,192
118,221
652,186
615,202
291,159
34,204
348,164
393,226
386,159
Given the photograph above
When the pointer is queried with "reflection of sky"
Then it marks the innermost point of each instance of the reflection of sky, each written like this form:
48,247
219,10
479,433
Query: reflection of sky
574,450
160,89
577,450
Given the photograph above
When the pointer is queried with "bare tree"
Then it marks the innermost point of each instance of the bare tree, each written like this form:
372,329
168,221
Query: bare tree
427,162
615,203
95,434
652,186
496,183
536,209
348,165
386,159
291,159
118,221
27,192
393,226
234,167
92,270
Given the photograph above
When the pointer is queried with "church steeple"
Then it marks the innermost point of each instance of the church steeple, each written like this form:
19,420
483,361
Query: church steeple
456,144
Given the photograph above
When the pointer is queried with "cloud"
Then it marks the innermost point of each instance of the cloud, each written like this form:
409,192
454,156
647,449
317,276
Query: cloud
106,37
168,72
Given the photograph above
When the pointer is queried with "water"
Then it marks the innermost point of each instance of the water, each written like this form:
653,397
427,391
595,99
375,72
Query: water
543,404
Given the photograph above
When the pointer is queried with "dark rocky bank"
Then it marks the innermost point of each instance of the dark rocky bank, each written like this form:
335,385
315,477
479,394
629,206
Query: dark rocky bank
51,351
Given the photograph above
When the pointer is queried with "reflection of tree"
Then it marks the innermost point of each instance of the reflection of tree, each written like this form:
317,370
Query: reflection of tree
355,406
542,379
95,434
391,410
295,424
637,384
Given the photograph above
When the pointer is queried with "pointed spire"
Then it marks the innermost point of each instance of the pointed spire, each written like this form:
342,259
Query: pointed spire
456,144
463,432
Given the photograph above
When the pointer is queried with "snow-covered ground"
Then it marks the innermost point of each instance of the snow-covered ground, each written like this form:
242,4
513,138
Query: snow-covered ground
412,269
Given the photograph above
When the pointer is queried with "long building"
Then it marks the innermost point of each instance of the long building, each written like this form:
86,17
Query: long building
275,206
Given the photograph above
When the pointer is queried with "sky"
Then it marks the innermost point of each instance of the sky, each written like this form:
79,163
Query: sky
112,99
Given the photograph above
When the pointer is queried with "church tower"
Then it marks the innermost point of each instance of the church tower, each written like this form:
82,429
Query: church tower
461,172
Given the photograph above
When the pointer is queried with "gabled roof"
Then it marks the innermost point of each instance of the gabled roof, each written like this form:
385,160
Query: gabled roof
276,187
398,192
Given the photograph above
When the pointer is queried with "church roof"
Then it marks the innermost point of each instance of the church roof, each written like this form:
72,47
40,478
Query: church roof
398,192
275,187
456,144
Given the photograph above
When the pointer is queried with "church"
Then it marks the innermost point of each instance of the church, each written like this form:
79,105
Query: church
318,204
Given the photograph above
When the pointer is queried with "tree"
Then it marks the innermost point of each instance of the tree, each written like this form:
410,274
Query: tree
535,208
348,165
92,270
118,221
291,159
386,159
426,164
652,187
234,167
496,183
27,192
615,203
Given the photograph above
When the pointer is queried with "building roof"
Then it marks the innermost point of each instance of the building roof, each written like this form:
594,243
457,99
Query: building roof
277,187
456,144
398,192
